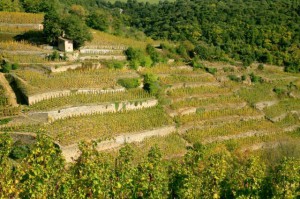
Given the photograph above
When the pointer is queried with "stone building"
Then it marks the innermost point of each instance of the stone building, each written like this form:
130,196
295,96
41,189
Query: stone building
65,45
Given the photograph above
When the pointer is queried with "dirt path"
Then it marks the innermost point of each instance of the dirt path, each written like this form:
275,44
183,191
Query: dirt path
12,99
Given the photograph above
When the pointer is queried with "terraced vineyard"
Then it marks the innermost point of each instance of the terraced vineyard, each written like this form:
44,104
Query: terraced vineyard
243,109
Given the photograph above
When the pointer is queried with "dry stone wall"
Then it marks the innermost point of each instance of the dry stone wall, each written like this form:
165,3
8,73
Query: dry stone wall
101,51
107,47
32,99
103,57
31,26
102,108
192,85
72,152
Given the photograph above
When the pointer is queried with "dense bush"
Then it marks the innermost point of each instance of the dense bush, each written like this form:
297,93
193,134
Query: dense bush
235,78
211,70
255,79
151,83
129,82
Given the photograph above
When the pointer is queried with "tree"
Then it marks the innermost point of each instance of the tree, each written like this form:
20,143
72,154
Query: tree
151,83
10,5
52,26
76,30
98,21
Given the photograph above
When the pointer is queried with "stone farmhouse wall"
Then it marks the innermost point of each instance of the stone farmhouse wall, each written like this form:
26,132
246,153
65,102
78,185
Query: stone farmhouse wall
72,152
32,99
101,108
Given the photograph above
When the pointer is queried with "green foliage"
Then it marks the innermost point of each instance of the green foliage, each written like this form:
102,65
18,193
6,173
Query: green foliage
73,27
54,56
196,63
146,61
224,30
76,30
235,78
133,54
19,151
151,83
5,121
6,66
52,26
97,20
211,70
115,64
10,5
200,174
129,82
154,55
255,79
260,67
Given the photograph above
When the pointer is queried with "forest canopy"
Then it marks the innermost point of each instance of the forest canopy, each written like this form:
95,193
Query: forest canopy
242,30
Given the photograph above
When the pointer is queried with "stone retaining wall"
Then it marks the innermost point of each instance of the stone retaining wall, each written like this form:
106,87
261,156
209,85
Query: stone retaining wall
102,108
32,99
32,26
72,152
103,57
109,47
101,51
27,138
192,85
63,68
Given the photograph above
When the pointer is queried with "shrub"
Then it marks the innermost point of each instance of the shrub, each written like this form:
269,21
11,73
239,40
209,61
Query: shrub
151,83
115,64
234,78
255,79
228,69
279,91
19,151
133,54
6,67
211,70
129,82
146,61
14,66
5,121
154,55
134,64
244,77
260,67
196,63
